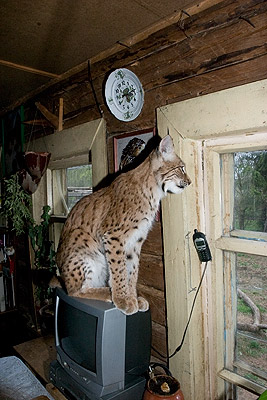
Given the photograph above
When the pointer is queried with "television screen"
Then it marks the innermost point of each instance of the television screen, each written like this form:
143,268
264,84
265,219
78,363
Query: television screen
100,350
71,335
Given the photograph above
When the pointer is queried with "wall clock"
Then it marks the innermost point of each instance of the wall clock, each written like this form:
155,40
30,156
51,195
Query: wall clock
124,94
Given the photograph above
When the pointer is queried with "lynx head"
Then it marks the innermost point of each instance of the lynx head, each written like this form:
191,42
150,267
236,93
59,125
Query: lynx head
170,169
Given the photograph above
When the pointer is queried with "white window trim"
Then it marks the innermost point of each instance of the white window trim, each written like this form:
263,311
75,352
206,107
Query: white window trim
198,126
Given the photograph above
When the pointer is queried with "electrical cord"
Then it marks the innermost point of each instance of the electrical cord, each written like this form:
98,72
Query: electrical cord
191,312
189,319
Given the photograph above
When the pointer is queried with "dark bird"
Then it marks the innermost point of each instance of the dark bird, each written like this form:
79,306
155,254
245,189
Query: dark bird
131,151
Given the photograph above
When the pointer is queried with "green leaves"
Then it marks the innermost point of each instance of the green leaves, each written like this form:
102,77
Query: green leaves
16,208
42,246
16,205
263,396
44,255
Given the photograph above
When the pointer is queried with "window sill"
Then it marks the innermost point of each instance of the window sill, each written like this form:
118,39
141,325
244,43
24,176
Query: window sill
248,368
58,218
242,245
238,380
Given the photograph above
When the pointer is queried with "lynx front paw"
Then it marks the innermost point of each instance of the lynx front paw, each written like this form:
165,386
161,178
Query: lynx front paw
143,304
128,305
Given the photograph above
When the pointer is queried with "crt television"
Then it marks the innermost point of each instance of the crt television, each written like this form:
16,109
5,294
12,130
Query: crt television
98,347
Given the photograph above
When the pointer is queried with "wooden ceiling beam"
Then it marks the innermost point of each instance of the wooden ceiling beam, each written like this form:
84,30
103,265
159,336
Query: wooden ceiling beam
28,69
37,122
52,118
56,121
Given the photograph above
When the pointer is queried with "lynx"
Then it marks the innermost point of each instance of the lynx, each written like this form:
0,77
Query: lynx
100,245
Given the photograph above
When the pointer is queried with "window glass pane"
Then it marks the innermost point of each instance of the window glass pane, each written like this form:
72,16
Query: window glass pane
251,338
250,195
79,183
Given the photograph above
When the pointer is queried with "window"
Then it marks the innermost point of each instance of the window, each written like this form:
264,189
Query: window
71,174
66,187
249,219
250,191
79,183
244,194
251,340
208,131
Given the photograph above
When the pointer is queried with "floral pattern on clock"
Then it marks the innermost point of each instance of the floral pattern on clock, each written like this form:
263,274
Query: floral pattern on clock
124,94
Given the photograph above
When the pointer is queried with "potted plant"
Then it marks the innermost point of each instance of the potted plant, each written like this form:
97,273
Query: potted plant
44,269
16,208
44,256
15,205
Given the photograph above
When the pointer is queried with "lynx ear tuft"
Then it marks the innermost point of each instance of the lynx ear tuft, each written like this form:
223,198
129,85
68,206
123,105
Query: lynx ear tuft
166,146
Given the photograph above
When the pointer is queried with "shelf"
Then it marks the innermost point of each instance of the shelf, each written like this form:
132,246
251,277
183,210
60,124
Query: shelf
8,311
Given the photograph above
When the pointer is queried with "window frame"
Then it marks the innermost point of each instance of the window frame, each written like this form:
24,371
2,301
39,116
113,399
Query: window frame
57,193
219,119
70,147
229,243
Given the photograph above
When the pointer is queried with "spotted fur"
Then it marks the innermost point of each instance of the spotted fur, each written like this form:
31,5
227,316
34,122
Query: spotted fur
100,245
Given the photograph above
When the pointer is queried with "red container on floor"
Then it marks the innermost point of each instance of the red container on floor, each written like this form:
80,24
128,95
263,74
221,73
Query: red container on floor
163,387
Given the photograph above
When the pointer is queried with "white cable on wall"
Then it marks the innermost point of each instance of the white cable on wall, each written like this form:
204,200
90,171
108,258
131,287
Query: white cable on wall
59,186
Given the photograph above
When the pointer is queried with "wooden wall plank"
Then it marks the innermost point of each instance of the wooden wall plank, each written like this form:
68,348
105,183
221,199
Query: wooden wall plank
178,58
151,271
153,243
159,341
156,301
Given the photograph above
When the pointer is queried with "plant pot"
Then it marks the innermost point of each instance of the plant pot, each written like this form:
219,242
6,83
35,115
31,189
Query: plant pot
36,163
42,276
47,319
163,387
35,166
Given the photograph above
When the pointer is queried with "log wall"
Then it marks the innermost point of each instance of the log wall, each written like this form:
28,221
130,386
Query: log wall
218,48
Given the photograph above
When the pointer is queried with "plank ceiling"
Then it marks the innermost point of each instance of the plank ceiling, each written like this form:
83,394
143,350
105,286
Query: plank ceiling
43,39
